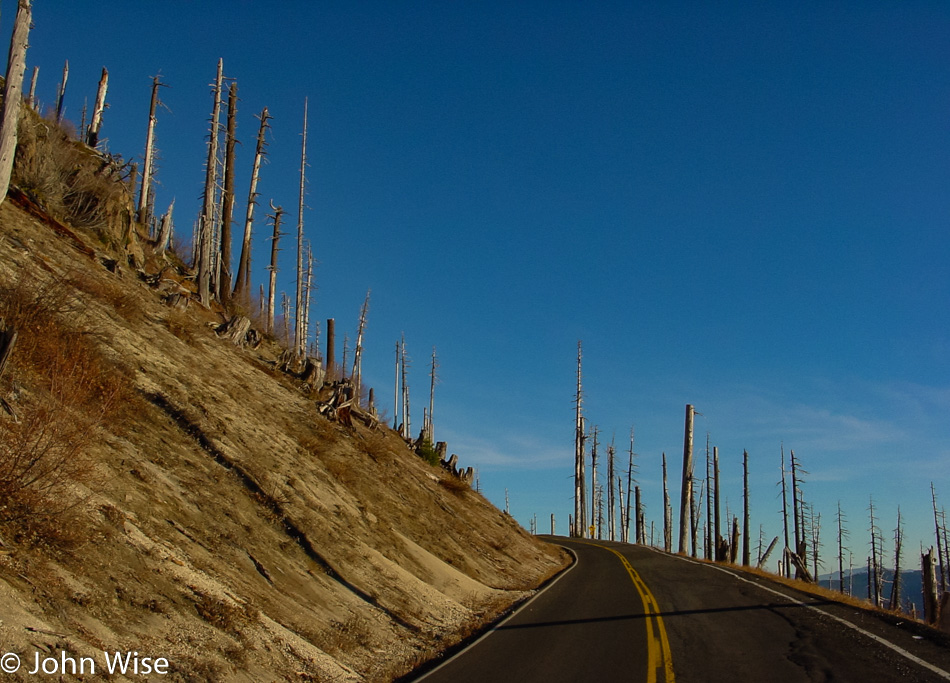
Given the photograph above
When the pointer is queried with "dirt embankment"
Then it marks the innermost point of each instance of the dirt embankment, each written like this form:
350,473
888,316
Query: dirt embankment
220,522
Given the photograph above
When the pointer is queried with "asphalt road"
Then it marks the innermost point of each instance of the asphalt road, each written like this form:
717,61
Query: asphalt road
629,613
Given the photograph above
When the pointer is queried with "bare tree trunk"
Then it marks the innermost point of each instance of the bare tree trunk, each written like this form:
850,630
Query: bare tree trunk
32,101
842,534
405,391
579,484
285,312
629,491
639,532
147,171
929,572
667,513
165,231
61,93
272,268
95,124
710,553
896,586
223,283
686,492
430,431
788,547
306,306
331,349
299,341
593,483
746,557
765,556
358,352
242,285
611,502
207,227
12,95
942,585
875,559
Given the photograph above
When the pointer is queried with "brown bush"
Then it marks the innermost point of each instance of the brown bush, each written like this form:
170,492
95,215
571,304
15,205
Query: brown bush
67,392
72,181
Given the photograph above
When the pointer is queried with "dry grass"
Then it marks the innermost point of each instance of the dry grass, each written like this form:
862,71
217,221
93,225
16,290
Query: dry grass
71,181
455,485
66,393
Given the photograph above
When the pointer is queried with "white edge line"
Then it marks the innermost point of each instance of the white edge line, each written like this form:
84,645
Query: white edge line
886,643
508,618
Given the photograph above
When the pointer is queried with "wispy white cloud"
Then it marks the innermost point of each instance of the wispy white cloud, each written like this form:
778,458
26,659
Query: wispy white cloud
514,450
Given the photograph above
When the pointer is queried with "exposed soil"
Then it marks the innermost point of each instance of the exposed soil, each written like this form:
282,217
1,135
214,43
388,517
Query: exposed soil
229,528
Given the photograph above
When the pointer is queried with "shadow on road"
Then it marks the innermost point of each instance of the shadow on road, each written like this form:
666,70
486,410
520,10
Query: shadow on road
679,613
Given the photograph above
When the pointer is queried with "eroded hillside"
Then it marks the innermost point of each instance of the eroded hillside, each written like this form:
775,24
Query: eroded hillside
214,517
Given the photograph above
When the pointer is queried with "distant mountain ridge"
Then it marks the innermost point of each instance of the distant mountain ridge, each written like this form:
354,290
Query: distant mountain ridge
856,583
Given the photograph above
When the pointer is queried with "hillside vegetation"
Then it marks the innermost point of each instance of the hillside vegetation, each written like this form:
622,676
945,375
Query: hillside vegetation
166,491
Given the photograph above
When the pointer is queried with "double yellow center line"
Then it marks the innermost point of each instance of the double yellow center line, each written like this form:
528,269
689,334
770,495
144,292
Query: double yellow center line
659,658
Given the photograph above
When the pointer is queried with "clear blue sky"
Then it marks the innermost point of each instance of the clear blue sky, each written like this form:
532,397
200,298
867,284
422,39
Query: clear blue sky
736,206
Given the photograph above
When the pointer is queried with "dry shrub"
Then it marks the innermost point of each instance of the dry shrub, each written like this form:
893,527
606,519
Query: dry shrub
74,183
120,297
180,324
356,633
455,485
225,615
68,393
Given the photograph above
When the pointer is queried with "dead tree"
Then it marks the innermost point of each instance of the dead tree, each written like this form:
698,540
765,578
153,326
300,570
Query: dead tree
768,551
788,547
223,281
146,187
895,603
433,378
611,502
12,94
166,226
686,490
842,535
396,394
272,268
209,212
717,507
61,93
746,557
404,378
695,517
580,486
798,509
874,573
331,349
242,284
929,576
358,352
285,313
941,549
637,529
667,513
594,489
95,124
639,526
299,340
710,552
306,303
31,100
